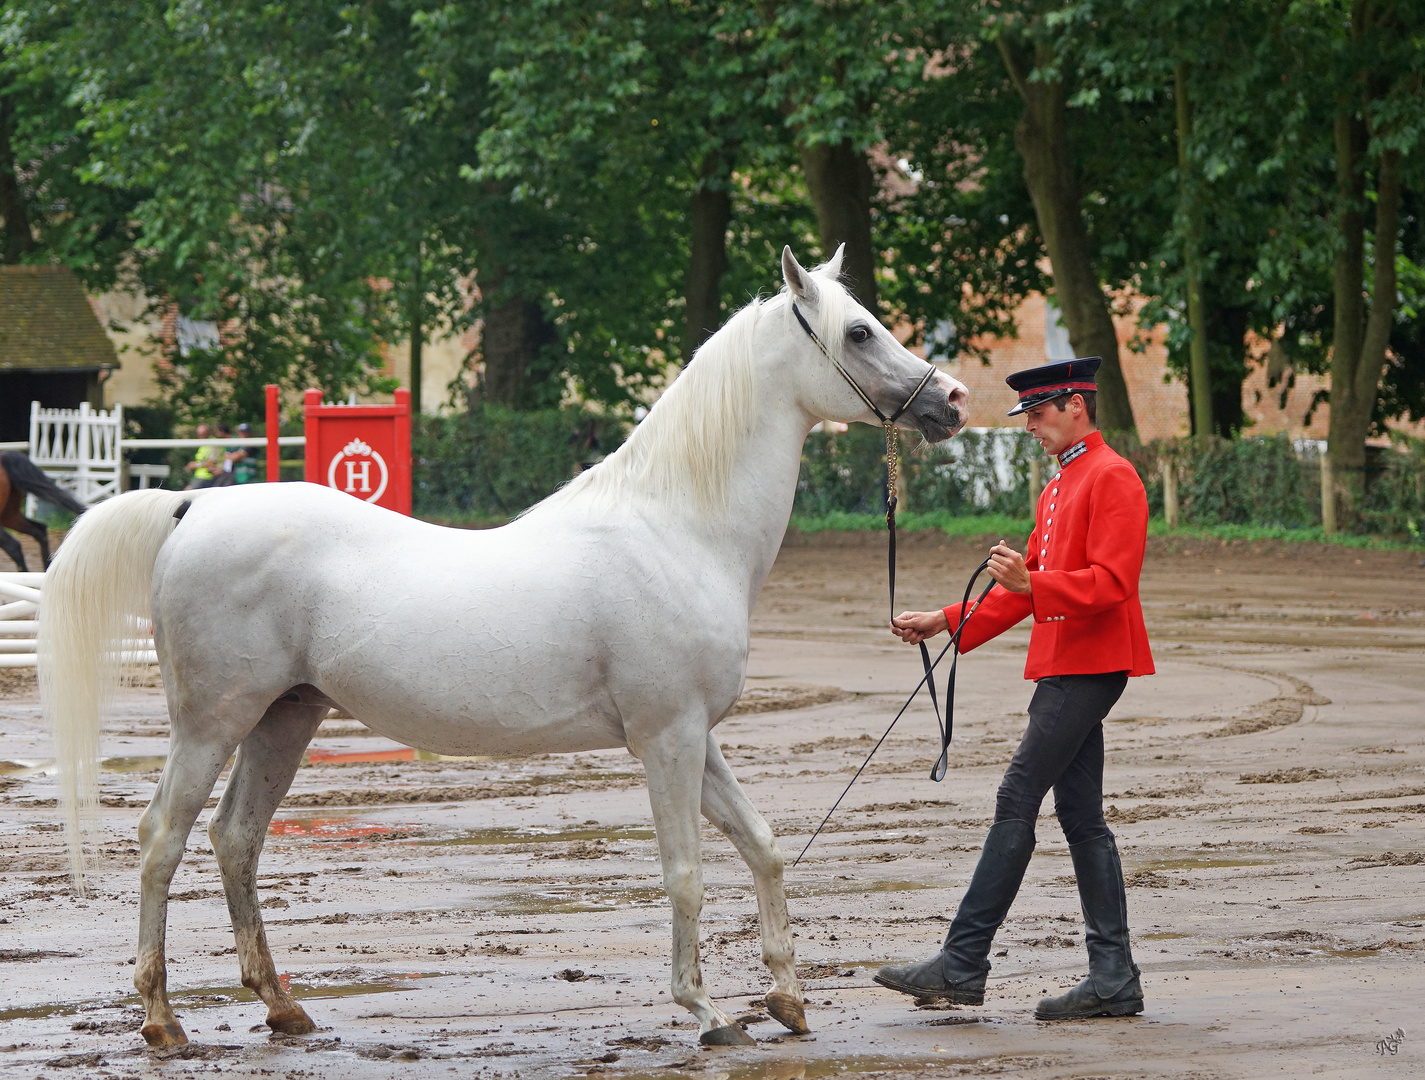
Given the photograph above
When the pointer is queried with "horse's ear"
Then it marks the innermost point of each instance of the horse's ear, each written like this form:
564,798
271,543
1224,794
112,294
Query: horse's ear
799,282
833,264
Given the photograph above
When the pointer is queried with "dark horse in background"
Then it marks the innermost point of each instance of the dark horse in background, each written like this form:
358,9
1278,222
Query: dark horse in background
19,476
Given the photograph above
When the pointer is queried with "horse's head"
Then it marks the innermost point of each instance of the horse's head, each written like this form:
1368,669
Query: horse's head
826,327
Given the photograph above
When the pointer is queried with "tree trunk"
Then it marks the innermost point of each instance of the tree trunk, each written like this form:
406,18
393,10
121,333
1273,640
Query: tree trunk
514,332
1199,374
19,238
1361,333
840,183
711,215
415,314
1227,364
1042,140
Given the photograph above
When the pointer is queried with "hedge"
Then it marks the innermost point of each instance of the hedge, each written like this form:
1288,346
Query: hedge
492,462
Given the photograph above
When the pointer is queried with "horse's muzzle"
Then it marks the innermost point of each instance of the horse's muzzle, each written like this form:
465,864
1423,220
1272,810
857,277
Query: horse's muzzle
941,409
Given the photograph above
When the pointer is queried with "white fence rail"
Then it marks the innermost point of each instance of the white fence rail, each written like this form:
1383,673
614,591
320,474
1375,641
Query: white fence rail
20,598
83,449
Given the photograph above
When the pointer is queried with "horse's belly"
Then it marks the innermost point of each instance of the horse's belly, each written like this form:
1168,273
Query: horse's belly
463,696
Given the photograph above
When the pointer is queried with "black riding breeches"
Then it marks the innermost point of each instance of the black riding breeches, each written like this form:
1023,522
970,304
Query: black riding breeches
1062,748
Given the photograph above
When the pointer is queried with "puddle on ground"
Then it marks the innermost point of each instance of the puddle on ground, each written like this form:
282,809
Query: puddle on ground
47,767
1165,936
852,888
536,836
202,997
339,828
357,757
793,1068
569,899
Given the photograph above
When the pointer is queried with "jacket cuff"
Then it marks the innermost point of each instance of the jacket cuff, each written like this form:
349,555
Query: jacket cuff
1047,607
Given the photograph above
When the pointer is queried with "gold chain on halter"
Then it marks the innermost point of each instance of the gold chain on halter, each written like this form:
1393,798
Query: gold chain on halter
892,461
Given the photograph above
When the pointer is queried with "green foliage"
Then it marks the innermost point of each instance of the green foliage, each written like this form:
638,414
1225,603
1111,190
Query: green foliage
1249,481
977,472
319,179
1395,494
492,463
842,472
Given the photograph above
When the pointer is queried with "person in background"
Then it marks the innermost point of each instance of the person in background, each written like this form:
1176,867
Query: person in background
207,463
241,460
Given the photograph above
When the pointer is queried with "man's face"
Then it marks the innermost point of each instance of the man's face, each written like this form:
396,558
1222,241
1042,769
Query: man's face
1056,429
204,431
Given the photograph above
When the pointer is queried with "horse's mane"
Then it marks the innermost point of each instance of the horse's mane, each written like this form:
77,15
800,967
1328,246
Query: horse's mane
685,448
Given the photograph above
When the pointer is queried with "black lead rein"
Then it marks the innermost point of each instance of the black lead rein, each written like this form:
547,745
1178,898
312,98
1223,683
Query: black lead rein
947,726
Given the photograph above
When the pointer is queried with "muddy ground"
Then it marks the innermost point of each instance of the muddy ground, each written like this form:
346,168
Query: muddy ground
504,917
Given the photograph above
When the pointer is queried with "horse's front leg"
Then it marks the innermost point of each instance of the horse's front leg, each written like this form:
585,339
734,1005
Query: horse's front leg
674,764
727,807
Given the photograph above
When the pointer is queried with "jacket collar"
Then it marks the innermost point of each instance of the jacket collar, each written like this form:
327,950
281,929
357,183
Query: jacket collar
1091,441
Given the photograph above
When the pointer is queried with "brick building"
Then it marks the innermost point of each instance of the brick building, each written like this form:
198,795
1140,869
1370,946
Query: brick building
1160,400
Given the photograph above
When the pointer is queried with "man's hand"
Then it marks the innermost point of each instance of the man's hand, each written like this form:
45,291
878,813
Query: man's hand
1007,567
914,627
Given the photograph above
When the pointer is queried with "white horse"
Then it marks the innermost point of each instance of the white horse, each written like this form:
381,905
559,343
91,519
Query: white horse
613,614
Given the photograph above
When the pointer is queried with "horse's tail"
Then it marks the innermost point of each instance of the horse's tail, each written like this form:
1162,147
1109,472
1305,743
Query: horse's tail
93,601
31,479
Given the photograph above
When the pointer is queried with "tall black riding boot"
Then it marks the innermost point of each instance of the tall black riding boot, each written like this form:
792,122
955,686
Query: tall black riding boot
958,971
1112,988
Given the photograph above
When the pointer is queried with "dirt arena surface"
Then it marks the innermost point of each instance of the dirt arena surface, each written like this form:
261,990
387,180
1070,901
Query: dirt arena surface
504,918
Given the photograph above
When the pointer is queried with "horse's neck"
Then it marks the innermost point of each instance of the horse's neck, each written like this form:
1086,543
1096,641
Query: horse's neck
763,484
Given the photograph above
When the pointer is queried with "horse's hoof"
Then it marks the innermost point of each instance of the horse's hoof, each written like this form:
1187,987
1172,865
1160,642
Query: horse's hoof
293,1022
729,1035
788,1012
160,1036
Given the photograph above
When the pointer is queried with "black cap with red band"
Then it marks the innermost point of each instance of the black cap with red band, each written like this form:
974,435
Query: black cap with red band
1037,385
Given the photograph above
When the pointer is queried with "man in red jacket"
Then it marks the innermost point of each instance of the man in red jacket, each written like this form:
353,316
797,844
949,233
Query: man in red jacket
1079,581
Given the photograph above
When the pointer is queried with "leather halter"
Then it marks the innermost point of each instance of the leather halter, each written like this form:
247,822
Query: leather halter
882,417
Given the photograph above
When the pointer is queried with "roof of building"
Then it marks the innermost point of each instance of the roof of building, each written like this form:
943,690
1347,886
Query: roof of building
46,323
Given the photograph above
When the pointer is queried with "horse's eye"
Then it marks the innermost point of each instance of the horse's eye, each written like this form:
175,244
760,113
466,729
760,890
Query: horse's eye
859,334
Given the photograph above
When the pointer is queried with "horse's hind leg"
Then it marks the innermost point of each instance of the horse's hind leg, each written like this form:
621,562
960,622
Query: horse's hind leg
189,775
728,808
266,762
38,530
674,765
11,547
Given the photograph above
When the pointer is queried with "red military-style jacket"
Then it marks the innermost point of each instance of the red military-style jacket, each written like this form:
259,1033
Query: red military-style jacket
1084,558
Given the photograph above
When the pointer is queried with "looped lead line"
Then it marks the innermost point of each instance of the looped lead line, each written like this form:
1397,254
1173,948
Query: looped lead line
946,731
